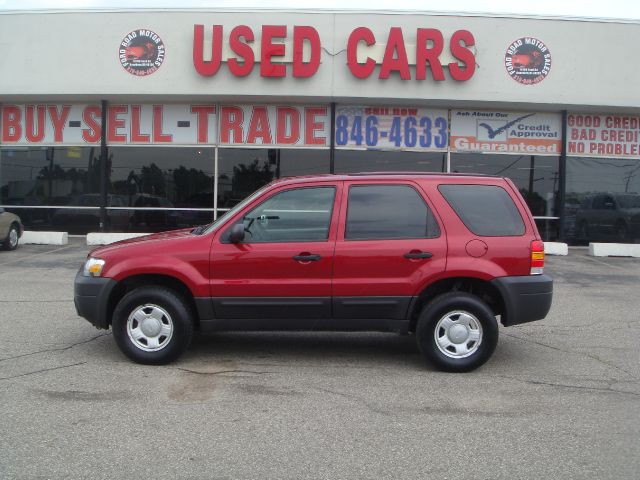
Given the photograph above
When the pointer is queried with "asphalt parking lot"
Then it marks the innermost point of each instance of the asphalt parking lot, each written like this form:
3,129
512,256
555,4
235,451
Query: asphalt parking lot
559,399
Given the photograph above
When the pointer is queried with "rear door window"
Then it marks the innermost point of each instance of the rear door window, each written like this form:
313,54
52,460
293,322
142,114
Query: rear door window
379,212
486,210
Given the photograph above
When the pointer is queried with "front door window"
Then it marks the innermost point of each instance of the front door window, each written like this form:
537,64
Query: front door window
300,215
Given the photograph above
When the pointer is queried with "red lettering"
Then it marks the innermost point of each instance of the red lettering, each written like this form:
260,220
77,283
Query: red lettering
158,136
90,116
303,69
259,126
38,135
425,55
207,68
360,70
270,49
588,120
311,126
242,49
231,119
573,134
11,129
58,120
395,56
136,136
462,53
114,123
202,120
287,116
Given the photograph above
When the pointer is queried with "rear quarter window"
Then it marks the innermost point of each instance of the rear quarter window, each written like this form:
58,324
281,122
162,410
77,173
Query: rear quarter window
486,210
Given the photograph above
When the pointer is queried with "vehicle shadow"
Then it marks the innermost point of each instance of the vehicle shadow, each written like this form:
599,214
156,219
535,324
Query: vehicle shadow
364,349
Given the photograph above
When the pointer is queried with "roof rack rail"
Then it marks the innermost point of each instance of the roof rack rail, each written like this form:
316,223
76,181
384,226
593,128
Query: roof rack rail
420,173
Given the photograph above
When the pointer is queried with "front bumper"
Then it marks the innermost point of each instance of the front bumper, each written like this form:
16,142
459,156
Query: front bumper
91,298
526,298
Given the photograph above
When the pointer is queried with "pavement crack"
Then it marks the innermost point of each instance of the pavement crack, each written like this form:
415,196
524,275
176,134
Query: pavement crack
61,349
219,372
36,301
42,370
360,400
588,355
566,385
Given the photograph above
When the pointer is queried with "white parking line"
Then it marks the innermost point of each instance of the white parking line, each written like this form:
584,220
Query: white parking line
36,255
604,263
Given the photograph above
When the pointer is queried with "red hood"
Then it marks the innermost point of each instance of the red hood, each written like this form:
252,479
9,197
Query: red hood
142,242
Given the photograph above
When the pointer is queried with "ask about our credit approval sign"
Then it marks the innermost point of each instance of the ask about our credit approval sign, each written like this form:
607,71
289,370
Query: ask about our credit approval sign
506,132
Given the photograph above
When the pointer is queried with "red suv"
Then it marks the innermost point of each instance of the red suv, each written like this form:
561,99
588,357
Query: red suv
437,256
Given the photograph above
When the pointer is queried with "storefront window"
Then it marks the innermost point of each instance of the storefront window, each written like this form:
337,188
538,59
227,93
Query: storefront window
164,187
536,177
294,162
353,161
602,200
45,178
244,170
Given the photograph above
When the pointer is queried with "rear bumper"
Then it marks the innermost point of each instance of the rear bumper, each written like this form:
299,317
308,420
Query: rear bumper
91,298
526,298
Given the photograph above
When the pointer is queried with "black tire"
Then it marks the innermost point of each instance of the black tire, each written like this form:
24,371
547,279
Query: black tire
7,243
178,314
622,232
583,232
447,305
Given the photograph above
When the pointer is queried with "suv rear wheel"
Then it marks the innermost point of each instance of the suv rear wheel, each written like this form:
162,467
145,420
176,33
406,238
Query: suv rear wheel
152,325
457,332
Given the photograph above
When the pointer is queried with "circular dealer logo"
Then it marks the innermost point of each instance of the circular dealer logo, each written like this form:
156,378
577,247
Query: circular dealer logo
528,60
141,52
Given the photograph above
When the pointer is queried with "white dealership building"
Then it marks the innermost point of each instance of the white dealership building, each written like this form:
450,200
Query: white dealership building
201,107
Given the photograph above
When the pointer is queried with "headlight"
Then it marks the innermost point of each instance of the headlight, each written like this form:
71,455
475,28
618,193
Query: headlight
93,267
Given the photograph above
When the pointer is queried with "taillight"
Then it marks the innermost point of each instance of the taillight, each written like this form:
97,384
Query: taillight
537,257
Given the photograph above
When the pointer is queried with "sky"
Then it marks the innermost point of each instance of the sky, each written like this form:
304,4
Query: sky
620,9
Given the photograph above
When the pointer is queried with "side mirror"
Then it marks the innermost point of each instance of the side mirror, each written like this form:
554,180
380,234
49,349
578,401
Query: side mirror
237,233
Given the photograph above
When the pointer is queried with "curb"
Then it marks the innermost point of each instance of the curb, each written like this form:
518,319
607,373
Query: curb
44,238
614,250
99,238
556,248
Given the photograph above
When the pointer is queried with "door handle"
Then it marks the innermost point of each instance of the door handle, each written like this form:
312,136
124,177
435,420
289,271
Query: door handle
307,257
416,255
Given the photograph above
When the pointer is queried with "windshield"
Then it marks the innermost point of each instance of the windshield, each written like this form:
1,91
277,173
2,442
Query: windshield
629,201
223,219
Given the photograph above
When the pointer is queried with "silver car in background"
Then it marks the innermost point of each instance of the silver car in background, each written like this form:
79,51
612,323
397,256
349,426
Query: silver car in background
11,230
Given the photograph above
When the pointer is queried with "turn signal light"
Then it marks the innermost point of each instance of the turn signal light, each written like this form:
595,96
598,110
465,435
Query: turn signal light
537,257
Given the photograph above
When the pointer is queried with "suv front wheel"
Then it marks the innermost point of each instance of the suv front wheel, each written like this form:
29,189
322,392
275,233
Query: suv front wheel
152,325
457,332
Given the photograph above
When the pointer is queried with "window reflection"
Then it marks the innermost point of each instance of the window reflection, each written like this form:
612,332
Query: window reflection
45,176
354,161
242,171
602,200
153,179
